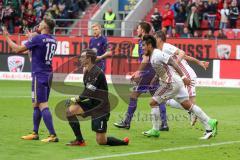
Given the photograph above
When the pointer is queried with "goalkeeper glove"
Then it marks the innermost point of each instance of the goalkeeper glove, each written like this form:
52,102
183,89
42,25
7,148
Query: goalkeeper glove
71,101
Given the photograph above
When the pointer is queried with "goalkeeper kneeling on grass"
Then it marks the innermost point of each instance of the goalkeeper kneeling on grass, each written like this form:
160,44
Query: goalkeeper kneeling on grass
92,102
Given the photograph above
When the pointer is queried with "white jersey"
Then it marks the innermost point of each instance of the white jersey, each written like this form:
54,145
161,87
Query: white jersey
187,70
166,73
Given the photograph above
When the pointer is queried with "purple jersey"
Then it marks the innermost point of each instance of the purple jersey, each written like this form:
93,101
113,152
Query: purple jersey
140,50
43,48
147,74
99,43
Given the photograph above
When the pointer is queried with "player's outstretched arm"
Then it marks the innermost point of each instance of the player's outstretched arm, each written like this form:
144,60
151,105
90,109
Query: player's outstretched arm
105,55
203,64
136,75
181,54
16,48
144,63
172,63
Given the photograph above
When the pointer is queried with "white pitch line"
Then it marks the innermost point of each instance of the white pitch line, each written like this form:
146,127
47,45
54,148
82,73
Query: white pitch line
161,150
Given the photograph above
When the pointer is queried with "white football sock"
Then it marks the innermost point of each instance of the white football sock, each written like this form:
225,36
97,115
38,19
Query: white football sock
174,104
202,116
155,116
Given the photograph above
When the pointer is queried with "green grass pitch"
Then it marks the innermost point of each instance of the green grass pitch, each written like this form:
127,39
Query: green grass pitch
219,103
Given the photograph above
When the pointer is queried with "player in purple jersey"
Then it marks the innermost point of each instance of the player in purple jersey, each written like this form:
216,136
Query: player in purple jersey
143,78
99,43
43,47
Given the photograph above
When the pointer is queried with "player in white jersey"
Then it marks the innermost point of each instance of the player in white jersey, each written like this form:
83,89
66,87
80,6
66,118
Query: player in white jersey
181,58
172,81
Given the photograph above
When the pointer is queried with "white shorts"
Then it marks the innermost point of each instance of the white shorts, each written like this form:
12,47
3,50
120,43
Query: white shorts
175,90
190,73
192,89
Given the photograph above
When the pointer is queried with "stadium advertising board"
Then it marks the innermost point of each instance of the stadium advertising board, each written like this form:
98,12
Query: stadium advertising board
124,60
122,46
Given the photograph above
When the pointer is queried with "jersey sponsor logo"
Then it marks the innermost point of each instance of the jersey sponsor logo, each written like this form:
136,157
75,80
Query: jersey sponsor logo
15,63
224,51
91,87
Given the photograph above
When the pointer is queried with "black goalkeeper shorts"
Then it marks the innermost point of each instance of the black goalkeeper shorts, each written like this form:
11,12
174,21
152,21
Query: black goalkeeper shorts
99,125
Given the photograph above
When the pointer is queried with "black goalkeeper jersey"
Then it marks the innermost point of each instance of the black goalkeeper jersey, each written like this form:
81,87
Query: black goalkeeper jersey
95,92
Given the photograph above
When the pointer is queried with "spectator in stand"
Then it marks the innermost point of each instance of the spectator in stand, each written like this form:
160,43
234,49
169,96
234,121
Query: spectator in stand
193,20
221,35
168,17
29,15
43,11
54,11
175,34
74,9
28,2
212,14
29,8
8,17
196,34
209,35
37,5
185,33
180,17
233,14
204,10
82,4
156,20
224,17
23,26
30,18
220,4
200,9
17,12
164,30
22,11
13,3
63,14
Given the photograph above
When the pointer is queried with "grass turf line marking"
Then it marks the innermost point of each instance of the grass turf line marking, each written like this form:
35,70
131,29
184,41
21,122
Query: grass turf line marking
161,150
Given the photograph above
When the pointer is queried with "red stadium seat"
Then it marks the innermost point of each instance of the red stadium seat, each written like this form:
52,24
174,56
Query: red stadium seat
16,29
238,35
216,24
204,32
230,34
216,33
204,24
238,23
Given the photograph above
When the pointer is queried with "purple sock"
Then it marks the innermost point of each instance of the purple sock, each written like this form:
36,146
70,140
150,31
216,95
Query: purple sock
131,109
37,116
47,118
163,115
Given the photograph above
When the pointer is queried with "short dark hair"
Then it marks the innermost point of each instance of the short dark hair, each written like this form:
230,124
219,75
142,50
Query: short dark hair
50,23
145,26
90,53
149,39
161,35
